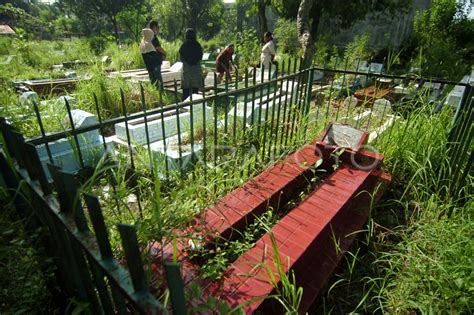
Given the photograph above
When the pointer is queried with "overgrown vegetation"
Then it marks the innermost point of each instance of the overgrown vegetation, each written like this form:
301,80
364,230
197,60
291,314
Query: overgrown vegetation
23,283
415,254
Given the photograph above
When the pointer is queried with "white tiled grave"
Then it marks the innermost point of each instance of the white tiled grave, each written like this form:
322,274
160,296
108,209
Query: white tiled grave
64,151
260,108
172,153
169,74
137,129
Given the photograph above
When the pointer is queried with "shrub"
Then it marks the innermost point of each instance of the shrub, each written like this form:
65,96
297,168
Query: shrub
286,36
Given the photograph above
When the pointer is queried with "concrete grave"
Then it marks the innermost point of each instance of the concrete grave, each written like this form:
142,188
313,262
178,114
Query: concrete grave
137,129
64,151
172,154
259,108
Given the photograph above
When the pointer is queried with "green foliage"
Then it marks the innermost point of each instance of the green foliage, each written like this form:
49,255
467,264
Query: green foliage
219,259
172,50
95,10
124,57
20,17
437,32
23,284
31,59
286,36
205,16
356,51
248,49
169,15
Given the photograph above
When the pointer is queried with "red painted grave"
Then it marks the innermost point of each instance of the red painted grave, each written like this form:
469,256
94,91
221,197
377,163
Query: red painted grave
312,237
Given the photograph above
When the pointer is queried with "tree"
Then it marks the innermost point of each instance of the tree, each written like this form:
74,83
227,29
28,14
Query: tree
134,19
308,14
103,8
444,36
205,16
259,8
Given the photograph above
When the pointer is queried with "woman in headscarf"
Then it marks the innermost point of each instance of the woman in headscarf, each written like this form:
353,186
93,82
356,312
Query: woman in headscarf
191,55
151,57
268,51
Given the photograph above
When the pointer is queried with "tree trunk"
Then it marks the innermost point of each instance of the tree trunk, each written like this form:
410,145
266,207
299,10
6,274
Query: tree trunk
116,31
304,32
262,18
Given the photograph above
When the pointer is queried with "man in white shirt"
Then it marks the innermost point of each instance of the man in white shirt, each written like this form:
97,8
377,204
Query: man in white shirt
268,51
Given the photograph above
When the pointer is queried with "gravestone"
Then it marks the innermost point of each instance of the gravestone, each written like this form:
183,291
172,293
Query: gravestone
28,98
382,107
344,136
70,74
64,151
165,65
376,67
251,111
351,101
173,73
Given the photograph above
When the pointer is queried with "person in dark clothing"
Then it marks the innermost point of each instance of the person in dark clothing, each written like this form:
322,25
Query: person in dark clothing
190,53
152,52
224,61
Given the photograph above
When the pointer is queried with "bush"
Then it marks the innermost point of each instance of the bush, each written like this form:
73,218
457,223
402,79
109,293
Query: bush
286,36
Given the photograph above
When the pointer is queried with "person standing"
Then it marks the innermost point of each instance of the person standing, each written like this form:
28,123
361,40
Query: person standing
190,53
224,62
268,51
152,52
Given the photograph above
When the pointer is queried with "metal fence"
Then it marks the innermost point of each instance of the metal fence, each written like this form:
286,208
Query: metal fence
268,114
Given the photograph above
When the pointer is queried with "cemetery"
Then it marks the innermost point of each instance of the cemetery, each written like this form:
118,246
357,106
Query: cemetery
334,181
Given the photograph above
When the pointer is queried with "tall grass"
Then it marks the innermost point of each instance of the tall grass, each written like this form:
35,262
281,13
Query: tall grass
415,254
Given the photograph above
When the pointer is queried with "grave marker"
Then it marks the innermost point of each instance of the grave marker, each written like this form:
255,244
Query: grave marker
64,152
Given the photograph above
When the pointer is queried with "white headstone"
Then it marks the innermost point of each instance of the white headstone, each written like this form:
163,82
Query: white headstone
64,152
376,67
27,98
382,107
165,65
344,136
351,101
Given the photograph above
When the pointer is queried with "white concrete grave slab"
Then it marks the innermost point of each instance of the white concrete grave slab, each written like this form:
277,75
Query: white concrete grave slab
251,112
455,96
210,79
172,154
137,128
64,151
